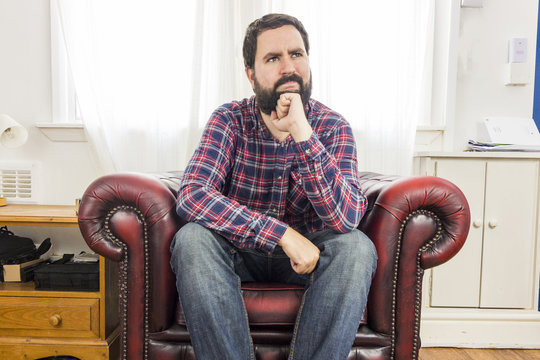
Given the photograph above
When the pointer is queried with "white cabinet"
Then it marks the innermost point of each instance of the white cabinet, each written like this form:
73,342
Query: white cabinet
495,275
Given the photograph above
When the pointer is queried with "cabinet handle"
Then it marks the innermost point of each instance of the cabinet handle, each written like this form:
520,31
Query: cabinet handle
477,223
55,320
493,223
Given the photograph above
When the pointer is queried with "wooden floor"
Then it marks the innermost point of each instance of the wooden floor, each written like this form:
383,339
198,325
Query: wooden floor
477,354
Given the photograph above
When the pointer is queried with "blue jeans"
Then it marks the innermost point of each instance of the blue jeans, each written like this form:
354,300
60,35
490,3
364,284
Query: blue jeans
209,271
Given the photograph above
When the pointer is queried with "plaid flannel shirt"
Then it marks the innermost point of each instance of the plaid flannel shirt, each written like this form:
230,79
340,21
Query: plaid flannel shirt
247,186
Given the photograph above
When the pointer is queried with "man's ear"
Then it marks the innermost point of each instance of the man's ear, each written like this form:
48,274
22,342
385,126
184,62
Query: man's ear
249,74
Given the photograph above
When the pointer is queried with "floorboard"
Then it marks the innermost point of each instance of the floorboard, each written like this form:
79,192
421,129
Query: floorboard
477,354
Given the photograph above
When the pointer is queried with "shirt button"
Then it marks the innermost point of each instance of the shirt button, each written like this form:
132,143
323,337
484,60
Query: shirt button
319,177
279,177
274,210
308,151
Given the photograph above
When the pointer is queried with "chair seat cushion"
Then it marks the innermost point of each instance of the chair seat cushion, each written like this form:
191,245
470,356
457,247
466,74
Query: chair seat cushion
267,304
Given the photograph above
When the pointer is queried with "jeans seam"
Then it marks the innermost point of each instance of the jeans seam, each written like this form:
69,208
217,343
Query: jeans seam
251,347
297,323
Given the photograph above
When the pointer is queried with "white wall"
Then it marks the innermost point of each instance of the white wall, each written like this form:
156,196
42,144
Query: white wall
482,57
25,95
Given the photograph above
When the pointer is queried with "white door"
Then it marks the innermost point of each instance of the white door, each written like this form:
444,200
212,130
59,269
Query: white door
457,282
509,233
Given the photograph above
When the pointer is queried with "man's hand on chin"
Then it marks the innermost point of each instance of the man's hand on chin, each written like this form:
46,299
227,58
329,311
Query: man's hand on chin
303,254
290,117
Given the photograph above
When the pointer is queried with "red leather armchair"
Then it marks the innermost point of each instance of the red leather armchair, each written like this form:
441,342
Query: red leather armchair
415,222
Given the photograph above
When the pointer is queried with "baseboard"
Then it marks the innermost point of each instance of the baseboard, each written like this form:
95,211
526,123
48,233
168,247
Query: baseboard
481,329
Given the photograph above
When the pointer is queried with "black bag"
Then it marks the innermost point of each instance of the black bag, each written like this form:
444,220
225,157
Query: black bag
17,249
64,274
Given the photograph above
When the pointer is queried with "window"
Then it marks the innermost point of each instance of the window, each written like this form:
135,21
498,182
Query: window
66,122
212,46
65,105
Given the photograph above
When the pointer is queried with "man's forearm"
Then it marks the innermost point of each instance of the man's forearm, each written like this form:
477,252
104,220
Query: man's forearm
331,187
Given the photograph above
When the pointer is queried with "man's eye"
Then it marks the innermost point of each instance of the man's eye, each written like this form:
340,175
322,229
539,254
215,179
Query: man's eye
272,59
298,54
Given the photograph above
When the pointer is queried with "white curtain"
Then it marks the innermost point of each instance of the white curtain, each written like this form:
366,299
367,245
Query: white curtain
372,62
148,74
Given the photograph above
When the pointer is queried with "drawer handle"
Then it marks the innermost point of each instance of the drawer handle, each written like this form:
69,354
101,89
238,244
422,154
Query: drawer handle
55,320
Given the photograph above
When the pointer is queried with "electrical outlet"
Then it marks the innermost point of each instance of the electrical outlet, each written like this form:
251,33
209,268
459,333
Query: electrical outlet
517,50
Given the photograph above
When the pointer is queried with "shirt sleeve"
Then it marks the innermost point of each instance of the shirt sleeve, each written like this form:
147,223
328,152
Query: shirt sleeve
200,199
330,178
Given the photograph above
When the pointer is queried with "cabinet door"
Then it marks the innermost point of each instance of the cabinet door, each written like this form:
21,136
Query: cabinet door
509,234
457,282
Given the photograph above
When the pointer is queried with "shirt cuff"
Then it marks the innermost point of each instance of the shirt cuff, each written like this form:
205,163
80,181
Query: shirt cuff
270,234
311,148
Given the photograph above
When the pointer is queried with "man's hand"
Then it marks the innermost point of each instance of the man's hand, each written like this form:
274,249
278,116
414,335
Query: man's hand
303,254
289,117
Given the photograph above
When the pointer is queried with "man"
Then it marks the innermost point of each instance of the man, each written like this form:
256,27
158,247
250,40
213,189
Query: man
272,194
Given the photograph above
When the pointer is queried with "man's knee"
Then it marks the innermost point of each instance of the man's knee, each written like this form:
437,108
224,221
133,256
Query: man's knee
364,249
191,239
358,252
192,245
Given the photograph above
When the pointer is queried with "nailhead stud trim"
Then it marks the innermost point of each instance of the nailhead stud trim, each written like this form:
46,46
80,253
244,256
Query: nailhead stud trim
418,285
123,276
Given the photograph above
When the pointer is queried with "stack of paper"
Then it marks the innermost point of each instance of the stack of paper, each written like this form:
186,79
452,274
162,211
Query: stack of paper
507,134
484,146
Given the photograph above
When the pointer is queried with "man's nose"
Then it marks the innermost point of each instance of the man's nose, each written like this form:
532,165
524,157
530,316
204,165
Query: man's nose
287,66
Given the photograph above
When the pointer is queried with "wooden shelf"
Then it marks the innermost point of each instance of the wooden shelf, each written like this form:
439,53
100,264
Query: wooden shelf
38,215
28,289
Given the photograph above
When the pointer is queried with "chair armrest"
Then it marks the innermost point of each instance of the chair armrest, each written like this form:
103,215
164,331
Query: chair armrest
415,223
131,218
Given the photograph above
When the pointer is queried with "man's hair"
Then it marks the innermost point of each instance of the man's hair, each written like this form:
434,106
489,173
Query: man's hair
267,22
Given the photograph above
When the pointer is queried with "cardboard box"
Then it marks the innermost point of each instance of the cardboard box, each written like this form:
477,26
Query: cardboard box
20,272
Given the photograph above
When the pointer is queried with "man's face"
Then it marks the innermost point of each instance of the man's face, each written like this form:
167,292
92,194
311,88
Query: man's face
281,66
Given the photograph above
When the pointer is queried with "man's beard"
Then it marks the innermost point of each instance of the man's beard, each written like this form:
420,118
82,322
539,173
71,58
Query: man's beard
267,98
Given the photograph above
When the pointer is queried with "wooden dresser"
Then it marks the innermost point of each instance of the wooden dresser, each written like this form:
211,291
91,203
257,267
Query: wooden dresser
36,324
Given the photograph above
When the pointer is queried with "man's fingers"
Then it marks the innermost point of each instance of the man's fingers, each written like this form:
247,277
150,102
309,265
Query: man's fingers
299,269
307,268
287,97
282,108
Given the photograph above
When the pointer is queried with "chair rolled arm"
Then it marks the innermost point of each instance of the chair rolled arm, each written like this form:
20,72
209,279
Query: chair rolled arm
415,223
113,194
131,218
405,204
